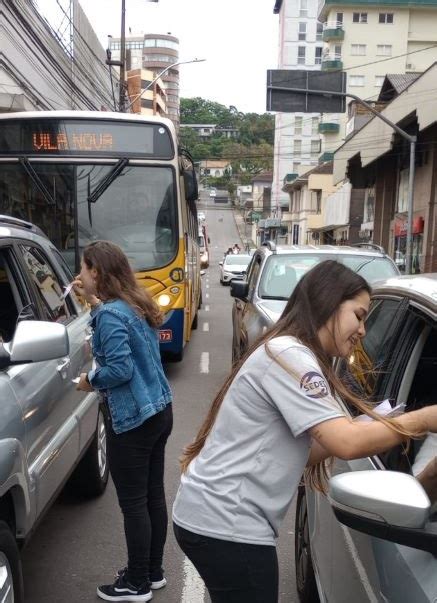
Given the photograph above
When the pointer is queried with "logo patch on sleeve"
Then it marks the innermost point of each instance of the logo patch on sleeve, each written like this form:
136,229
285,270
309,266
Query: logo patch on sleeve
314,385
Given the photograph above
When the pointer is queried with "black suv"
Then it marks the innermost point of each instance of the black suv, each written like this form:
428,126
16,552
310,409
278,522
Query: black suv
274,272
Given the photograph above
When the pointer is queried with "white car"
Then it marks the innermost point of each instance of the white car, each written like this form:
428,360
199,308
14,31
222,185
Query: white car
201,216
233,267
212,192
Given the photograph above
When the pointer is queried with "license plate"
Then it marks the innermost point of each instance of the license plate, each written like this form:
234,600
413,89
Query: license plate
165,335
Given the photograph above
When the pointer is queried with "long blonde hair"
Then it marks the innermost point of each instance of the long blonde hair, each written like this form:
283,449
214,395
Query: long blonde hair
314,301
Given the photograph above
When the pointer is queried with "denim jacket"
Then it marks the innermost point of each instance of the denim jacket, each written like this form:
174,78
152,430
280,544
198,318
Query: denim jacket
129,368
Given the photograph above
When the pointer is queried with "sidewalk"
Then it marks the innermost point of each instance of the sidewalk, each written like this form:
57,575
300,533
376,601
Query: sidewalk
247,243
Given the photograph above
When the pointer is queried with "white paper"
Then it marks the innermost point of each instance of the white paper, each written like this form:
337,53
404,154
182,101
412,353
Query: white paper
385,409
76,380
68,288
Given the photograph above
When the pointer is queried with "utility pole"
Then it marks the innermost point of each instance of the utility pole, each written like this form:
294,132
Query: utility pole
122,57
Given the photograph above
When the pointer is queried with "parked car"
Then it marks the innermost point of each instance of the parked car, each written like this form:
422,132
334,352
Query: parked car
375,537
49,430
201,216
274,272
233,267
212,192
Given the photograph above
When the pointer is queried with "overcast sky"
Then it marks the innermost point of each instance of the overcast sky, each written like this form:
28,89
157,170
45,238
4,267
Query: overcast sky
239,39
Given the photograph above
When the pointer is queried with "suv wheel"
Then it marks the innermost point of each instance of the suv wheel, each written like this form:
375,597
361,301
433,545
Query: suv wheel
91,475
305,578
11,587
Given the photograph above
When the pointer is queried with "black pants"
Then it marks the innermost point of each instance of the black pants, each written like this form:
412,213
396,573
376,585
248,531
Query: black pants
136,463
233,572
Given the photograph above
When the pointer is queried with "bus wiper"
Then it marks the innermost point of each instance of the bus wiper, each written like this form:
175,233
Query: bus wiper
28,168
107,180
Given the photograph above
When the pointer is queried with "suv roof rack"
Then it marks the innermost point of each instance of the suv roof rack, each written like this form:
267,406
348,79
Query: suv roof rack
270,245
369,246
20,224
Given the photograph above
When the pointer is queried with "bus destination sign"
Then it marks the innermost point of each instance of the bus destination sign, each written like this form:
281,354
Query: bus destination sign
84,137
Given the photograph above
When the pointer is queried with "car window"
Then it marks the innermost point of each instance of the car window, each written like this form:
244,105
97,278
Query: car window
237,260
8,298
281,273
372,269
253,273
47,285
369,364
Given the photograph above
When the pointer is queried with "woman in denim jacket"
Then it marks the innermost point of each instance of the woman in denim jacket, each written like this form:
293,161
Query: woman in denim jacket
129,373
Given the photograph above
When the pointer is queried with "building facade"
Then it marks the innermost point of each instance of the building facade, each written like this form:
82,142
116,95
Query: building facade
370,38
154,52
148,97
297,138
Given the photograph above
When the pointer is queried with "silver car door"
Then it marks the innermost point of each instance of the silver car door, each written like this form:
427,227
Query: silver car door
342,557
48,394
250,320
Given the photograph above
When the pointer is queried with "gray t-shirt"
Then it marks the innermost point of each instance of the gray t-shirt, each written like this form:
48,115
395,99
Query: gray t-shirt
241,484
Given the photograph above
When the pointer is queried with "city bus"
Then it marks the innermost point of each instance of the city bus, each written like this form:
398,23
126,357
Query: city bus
82,176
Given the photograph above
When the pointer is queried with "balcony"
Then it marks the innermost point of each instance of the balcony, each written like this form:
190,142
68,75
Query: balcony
333,31
329,127
290,178
331,62
326,156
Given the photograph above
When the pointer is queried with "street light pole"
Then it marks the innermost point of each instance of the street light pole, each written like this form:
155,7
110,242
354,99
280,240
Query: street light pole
159,75
409,137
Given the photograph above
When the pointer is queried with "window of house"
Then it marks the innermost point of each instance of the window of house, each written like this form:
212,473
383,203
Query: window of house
297,147
295,234
318,202
379,80
301,55
339,18
298,125
386,17
358,50
356,80
319,32
384,50
314,126
315,147
337,51
303,8
296,165
302,31
359,17
318,55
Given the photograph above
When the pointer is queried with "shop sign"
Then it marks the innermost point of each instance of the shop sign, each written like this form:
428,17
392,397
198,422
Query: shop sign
401,227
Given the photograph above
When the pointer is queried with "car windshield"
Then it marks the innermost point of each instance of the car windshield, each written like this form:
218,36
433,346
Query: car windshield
137,210
237,260
281,273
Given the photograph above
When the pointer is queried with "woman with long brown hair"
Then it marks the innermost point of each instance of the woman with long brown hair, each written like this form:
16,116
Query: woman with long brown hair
129,373
276,417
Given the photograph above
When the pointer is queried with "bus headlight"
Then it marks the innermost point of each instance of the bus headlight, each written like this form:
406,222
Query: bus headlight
164,300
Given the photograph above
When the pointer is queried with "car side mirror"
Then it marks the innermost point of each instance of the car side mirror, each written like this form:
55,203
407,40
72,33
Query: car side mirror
220,263
389,505
35,341
190,183
239,289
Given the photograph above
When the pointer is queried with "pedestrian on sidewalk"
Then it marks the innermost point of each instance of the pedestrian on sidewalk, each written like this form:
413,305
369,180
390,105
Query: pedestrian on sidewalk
276,418
130,375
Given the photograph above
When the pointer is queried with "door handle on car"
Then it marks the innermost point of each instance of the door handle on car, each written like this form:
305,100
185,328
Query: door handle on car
63,365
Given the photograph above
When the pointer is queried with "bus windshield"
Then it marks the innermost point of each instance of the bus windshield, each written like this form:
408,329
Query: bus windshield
137,210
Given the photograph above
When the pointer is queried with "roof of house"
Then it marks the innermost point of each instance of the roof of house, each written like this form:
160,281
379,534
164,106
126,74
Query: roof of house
324,168
216,163
263,177
395,83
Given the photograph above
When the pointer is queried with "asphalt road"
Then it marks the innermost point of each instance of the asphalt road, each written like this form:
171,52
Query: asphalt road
80,544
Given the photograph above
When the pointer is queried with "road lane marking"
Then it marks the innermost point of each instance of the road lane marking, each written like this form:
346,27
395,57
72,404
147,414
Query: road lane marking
207,286
204,363
207,295
361,570
194,587
206,308
206,327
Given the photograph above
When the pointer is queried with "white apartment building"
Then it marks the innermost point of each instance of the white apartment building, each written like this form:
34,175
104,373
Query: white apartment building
370,38
297,138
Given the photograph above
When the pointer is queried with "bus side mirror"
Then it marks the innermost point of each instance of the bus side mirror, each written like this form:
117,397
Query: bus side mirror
190,183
